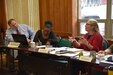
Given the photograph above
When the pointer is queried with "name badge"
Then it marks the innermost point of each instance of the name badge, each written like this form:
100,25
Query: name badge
14,44
86,58
43,50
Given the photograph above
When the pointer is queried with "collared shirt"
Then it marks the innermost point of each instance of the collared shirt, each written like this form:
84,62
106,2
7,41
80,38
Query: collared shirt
23,29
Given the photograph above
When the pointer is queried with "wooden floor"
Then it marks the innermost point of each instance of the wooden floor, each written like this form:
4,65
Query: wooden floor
3,69
7,72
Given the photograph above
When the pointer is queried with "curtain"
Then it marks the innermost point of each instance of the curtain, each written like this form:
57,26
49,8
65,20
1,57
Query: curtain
25,12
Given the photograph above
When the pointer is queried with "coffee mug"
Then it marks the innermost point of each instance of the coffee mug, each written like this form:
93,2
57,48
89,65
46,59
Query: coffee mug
32,44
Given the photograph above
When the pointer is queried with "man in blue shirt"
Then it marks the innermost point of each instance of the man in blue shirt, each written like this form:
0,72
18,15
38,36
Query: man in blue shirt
15,28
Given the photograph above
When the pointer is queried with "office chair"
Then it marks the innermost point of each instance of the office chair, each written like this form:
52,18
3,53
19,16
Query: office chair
106,44
64,42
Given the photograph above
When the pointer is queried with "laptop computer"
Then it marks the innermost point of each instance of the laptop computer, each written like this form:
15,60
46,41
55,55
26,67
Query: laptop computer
22,39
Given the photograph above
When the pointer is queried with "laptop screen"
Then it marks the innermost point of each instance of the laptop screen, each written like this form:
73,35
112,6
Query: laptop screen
20,38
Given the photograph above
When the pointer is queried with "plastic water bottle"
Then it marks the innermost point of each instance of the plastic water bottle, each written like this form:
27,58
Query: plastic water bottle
81,53
7,40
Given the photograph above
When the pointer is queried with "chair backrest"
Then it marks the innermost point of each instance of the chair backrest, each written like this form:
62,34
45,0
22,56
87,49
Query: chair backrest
1,37
106,44
64,43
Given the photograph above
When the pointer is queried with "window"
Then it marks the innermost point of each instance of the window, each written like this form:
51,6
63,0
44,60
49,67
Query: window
101,28
112,10
101,10
95,9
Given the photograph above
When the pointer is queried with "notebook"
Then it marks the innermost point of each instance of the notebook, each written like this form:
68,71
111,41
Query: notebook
20,38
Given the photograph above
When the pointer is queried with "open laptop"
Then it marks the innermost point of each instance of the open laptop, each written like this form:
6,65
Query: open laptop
20,38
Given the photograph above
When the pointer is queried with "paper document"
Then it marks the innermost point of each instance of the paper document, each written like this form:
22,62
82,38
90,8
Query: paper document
42,46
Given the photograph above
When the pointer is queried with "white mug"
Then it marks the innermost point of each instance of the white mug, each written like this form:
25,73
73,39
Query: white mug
32,44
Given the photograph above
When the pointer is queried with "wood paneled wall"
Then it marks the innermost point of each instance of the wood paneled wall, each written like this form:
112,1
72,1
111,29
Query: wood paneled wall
3,21
62,13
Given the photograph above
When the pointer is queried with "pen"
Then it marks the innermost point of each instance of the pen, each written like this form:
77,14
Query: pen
39,40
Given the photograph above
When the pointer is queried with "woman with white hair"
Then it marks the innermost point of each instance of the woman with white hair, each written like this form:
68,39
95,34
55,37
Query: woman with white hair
92,40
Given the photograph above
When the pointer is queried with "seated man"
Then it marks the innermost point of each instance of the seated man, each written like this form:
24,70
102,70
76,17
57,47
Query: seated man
15,28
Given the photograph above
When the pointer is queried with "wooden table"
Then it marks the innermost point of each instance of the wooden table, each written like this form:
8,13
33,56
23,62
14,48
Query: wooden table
32,61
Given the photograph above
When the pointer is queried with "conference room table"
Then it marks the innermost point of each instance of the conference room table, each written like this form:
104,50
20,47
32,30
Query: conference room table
41,63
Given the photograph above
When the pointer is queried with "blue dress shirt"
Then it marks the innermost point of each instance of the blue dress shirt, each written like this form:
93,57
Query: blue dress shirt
23,29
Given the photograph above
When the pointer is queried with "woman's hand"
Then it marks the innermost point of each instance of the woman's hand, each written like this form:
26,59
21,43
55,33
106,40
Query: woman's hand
83,41
71,39
76,43
48,43
39,43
